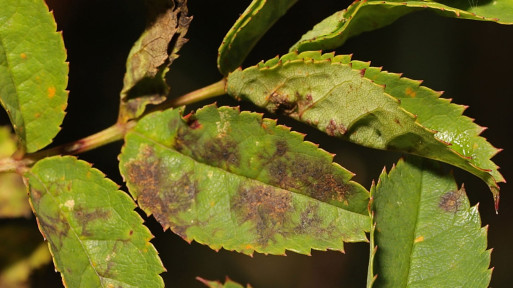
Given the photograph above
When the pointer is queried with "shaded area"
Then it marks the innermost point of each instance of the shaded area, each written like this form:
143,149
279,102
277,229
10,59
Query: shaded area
469,60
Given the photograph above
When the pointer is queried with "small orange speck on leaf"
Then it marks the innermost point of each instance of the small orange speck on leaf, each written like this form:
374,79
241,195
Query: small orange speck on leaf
410,92
23,56
419,239
249,247
51,92
37,115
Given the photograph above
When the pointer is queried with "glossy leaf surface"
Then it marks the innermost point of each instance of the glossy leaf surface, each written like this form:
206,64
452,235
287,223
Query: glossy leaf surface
151,56
363,16
234,180
326,92
426,233
247,30
94,235
33,72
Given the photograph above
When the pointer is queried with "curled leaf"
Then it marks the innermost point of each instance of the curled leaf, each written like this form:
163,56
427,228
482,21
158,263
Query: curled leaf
151,56
234,180
247,30
363,16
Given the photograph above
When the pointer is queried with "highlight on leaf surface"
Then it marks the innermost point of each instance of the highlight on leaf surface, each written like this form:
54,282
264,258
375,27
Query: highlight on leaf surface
363,16
427,235
216,284
364,105
33,72
247,30
234,180
94,235
151,56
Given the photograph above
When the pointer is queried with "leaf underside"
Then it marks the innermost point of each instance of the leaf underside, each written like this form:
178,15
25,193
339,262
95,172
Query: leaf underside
94,235
33,72
151,56
427,235
247,30
234,180
363,16
362,104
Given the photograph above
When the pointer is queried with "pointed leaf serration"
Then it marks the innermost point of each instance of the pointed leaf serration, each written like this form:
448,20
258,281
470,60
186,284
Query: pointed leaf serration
364,105
33,72
95,236
234,180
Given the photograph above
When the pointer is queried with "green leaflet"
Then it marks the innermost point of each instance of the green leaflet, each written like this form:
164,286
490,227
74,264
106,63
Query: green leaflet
33,72
216,284
151,56
234,180
426,233
327,93
363,16
95,236
247,30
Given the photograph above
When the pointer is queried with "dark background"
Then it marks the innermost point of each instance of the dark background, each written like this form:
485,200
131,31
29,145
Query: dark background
471,61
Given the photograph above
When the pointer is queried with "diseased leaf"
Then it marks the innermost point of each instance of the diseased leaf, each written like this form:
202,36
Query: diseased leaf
234,180
17,275
426,233
13,194
326,92
247,30
151,56
95,237
33,72
363,16
228,283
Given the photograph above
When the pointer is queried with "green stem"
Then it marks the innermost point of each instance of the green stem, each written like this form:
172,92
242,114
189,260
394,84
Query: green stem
112,134
213,90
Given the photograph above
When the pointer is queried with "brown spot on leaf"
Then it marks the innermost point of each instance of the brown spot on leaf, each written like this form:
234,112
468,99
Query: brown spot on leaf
222,152
452,200
159,194
308,176
86,217
267,207
334,129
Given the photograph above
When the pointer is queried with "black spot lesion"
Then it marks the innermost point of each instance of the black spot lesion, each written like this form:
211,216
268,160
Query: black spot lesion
217,150
308,176
285,104
265,206
85,217
159,194
452,201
